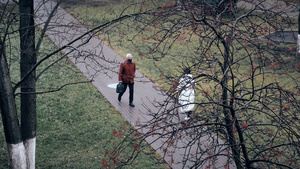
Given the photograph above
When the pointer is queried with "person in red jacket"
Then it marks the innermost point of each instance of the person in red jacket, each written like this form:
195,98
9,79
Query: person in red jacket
126,76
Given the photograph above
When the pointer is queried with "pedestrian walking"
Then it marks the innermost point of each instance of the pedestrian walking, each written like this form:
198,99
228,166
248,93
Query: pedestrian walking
186,93
126,76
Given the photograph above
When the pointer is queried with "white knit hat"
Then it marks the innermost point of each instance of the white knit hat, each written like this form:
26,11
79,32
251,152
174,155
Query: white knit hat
128,55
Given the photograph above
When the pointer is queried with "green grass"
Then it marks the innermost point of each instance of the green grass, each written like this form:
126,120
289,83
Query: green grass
75,125
120,38
181,54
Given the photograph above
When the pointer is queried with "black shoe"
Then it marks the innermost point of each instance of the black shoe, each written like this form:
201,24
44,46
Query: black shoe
131,105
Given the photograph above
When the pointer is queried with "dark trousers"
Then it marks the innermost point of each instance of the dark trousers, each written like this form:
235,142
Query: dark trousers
130,91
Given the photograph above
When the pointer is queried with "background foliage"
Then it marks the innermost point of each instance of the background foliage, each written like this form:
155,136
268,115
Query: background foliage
76,126
263,78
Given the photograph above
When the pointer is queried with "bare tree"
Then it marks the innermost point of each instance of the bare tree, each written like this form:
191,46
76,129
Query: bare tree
28,89
247,92
243,111
19,21
298,43
13,133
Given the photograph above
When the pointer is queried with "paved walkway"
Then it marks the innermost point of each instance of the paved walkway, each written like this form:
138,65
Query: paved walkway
286,9
100,64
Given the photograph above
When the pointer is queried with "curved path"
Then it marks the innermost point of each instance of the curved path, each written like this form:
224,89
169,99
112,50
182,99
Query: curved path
100,63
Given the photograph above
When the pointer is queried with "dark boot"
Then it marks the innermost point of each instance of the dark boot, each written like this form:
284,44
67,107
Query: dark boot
131,105
119,98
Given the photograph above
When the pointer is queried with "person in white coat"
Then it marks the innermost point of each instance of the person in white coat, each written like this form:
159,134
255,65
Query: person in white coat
186,93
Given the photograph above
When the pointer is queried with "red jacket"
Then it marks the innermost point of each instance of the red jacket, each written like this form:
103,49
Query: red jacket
127,72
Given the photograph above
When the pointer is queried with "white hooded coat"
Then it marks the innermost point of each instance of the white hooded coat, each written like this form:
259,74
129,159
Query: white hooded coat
186,93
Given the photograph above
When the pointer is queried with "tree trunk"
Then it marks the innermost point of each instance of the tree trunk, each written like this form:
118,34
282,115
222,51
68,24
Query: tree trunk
28,97
229,120
15,146
298,44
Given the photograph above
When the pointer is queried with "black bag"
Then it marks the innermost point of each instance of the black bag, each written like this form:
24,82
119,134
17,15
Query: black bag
120,88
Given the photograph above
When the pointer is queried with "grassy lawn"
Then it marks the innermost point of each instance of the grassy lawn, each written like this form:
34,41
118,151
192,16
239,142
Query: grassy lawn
96,12
121,39
76,125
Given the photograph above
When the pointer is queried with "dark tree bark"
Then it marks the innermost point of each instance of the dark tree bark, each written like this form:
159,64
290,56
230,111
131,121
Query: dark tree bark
28,61
20,139
21,134
298,43
238,97
11,125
